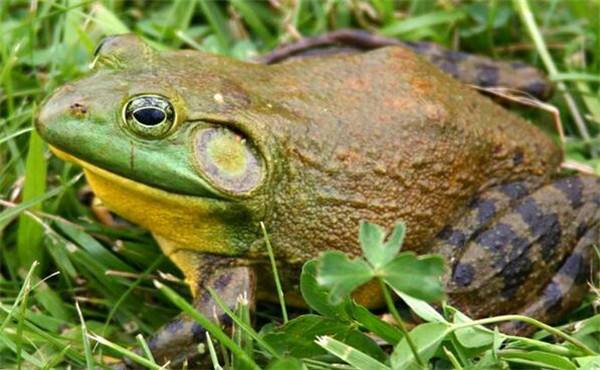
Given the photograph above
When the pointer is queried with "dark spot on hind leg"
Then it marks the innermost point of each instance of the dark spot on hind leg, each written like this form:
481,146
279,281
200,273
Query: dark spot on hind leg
576,268
536,88
453,237
496,238
572,188
222,281
486,209
515,190
545,228
552,297
514,274
487,75
198,332
463,274
449,67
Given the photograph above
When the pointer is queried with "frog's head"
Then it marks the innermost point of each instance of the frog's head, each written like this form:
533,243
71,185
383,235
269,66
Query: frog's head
162,143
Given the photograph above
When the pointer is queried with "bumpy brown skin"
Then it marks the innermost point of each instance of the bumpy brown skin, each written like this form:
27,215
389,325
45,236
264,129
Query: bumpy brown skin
408,144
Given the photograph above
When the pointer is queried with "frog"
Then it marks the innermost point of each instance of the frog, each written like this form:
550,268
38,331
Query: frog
205,151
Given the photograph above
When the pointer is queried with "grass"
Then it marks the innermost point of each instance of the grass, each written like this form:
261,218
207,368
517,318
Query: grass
109,271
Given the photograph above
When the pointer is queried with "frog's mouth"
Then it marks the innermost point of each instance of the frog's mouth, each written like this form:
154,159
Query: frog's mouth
94,172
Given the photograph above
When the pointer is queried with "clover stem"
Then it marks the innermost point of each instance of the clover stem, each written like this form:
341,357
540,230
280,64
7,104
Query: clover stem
530,321
392,308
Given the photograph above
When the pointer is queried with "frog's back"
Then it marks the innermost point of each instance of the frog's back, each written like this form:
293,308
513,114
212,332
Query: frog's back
393,138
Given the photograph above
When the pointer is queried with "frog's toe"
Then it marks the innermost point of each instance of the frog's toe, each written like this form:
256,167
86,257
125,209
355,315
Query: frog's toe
178,342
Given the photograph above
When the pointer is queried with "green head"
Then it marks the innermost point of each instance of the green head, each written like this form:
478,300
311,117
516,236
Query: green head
165,127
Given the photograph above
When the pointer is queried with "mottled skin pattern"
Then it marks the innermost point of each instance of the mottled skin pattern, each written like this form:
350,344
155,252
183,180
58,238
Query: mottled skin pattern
512,238
382,135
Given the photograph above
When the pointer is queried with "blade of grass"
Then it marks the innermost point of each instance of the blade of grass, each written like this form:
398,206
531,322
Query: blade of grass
50,300
240,335
21,319
217,22
30,233
528,320
524,11
93,247
180,15
144,346
57,358
22,291
351,355
9,214
392,308
135,284
125,352
251,17
14,347
57,343
15,134
213,354
280,294
89,358
424,21
106,20
247,328
574,76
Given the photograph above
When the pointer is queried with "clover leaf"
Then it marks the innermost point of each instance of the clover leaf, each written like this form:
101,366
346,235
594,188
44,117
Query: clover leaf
416,276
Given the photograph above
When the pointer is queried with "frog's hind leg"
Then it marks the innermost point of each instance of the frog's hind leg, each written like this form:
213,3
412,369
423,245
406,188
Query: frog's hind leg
566,289
518,250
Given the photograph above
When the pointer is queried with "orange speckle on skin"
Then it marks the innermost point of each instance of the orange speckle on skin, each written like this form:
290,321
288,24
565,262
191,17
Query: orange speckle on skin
435,112
356,84
347,155
402,103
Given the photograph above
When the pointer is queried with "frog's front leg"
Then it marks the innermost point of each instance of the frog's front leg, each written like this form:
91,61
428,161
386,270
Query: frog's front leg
231,278
519,250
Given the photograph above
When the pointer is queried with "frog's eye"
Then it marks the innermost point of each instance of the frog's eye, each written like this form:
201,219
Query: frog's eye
227,160
149,116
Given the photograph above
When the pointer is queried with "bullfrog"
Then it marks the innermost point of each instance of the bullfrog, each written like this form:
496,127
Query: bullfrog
202,149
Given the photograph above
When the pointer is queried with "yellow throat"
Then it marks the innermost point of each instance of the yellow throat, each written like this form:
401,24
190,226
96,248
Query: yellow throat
187,221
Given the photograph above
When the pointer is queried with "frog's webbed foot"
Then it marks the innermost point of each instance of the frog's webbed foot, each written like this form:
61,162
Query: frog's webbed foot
521,251
469,68
179,340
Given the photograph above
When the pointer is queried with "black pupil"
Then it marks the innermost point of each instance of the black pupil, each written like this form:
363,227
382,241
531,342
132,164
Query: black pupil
149,116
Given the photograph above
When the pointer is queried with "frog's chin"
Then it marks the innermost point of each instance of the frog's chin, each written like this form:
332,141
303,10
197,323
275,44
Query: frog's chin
184,219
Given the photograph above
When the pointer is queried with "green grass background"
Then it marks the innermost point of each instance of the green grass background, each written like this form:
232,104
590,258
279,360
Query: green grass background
108,271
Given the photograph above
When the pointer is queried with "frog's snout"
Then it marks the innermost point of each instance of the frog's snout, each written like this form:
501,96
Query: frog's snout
63,103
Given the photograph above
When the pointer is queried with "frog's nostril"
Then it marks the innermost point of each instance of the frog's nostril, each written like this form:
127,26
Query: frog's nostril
57,105
78,109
